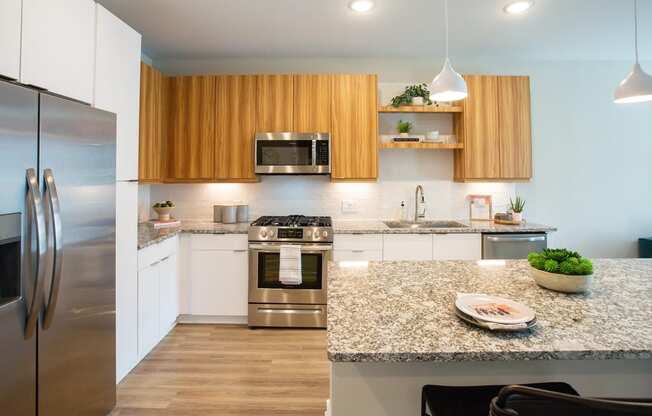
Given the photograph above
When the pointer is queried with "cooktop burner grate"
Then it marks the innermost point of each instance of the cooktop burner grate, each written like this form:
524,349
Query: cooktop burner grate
292,221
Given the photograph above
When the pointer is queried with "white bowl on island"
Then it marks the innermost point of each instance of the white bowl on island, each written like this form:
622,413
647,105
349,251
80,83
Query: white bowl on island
562,282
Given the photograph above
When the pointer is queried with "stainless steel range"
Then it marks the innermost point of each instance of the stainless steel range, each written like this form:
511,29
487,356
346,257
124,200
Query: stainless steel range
273,303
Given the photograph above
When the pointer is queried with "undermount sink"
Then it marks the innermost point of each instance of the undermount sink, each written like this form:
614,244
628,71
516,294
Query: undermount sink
425,224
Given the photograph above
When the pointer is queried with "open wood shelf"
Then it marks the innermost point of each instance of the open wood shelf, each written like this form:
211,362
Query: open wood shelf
419,109
432,146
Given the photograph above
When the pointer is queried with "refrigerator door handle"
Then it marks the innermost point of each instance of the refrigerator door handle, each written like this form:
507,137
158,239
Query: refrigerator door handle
36,219
54,210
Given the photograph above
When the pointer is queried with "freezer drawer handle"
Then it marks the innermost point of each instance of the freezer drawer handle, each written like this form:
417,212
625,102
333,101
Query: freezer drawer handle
52,202
36,219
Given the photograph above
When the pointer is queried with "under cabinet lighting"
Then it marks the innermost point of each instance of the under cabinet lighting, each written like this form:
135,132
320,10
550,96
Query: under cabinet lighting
518,7
361,6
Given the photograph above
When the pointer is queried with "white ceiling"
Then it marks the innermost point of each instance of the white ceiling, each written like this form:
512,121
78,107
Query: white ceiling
552,30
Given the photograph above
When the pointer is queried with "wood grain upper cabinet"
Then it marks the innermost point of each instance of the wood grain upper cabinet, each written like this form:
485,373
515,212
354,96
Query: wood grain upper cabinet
477,127
495,130
192,128
514,127
354,153
312,103
235,129
274,103
154,89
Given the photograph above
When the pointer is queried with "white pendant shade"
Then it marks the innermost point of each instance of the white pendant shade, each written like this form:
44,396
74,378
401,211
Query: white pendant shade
636,88
448,85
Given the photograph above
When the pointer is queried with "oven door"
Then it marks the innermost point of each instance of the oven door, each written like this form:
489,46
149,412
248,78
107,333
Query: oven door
264,284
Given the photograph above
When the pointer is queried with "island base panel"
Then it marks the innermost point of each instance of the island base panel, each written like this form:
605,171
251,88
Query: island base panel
390,389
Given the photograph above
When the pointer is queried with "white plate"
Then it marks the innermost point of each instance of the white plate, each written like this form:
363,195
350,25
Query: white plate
494,309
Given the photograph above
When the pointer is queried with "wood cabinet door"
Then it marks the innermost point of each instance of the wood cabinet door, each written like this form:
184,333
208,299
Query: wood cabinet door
312,103
354,127
274,103
514,127
152,128
236,127
480,128
192,128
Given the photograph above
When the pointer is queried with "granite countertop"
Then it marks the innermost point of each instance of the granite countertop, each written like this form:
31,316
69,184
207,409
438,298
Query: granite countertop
379,227
148,235
403,311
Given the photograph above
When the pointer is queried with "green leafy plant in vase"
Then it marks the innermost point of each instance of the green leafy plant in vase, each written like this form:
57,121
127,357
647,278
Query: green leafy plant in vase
517,206
561,270
404,127
417,94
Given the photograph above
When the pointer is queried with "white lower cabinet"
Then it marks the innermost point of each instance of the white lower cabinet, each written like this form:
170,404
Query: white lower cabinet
457,246
407,247
219,278
362,247
158,293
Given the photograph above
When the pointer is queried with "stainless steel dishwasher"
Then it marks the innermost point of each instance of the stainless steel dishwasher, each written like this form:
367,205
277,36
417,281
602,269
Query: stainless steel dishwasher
512,246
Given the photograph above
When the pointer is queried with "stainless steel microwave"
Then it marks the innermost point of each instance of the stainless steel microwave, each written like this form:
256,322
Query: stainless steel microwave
293,153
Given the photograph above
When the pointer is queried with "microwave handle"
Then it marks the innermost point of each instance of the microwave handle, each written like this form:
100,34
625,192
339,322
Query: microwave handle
314,152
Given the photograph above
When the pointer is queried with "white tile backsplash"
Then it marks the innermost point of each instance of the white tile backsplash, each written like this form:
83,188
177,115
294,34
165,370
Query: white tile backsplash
400,172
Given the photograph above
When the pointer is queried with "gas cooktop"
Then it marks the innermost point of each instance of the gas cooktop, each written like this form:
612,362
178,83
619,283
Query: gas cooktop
298,228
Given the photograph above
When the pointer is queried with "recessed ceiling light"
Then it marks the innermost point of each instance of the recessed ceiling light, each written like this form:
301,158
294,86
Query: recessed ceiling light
361,6
518,7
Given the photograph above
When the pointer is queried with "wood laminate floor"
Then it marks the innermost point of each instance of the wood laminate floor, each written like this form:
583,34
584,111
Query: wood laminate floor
229,371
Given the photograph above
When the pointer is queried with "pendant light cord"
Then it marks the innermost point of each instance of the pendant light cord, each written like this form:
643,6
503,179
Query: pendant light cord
446,24
636,28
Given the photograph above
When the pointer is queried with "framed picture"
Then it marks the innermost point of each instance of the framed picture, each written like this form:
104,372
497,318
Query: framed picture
480,208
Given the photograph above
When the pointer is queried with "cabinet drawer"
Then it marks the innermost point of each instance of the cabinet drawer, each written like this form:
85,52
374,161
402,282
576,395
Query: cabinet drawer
357,255
219,242
150,255
373,242
407,247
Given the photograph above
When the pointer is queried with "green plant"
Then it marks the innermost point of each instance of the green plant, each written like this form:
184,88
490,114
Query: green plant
561,261
517,205
404,126
164,204
411,91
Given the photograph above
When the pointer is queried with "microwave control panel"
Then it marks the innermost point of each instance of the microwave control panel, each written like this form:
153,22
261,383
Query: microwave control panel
322,153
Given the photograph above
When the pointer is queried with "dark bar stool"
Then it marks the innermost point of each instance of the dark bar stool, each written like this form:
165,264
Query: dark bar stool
528,401
471,400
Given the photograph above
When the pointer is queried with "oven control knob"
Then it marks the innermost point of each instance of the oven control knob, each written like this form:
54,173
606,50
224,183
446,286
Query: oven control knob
263,233
324,233
315,235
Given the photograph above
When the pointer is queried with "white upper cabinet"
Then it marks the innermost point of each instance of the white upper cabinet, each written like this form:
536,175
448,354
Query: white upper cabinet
58,46
10,11
117,86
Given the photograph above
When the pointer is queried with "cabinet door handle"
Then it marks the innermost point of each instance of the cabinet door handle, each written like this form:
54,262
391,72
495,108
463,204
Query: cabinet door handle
240,251
357,251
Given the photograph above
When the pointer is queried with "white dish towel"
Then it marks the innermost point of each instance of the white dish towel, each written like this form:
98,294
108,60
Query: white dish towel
290,265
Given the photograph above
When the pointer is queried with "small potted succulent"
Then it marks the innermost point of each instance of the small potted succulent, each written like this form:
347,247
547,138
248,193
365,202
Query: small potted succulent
163,210
404,128
561,270
417,94
516,206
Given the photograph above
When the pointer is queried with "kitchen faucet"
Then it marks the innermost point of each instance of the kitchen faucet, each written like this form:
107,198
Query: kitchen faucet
419,206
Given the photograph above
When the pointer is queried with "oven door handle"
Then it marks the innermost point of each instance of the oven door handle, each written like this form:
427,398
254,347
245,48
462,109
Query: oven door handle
275,248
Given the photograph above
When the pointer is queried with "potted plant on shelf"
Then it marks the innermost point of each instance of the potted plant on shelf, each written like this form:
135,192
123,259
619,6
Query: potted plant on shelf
417,94
404,128
516,206
163,210
561,270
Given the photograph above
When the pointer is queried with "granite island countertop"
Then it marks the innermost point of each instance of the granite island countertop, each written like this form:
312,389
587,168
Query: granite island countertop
402,311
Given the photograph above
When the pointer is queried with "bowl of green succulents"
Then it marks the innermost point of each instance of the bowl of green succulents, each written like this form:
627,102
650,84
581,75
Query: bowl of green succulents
163,210
561,270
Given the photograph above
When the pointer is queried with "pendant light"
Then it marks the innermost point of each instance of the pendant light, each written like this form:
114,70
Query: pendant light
448,85
637,87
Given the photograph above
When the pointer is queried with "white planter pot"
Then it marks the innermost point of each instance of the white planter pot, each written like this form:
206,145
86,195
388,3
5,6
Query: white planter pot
417,101
404,134
561,282
517,216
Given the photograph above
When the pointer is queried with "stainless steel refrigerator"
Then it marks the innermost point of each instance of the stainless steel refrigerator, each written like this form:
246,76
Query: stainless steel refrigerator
57,256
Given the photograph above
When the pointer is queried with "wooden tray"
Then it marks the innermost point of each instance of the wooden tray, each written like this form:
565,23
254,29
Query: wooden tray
504,222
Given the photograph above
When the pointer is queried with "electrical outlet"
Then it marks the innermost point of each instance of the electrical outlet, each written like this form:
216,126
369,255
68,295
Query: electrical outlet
349,206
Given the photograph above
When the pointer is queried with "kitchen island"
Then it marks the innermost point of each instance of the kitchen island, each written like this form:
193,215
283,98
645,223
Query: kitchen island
391,329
